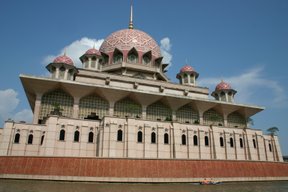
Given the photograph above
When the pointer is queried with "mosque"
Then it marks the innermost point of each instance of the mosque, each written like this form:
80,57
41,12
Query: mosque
120,106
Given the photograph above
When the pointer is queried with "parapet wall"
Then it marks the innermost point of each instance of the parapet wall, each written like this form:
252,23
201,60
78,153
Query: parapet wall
138,170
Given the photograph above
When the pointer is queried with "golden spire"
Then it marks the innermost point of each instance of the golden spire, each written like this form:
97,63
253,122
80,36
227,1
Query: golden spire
131,16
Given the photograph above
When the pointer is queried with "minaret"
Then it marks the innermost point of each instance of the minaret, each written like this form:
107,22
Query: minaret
224,92
131,16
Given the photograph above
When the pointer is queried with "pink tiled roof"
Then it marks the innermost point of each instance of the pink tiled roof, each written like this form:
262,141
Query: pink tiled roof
126,39
63,59
92,51
223,86
187,68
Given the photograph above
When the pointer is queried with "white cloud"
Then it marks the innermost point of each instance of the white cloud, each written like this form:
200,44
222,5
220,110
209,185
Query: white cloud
252,87
24,115
8,104
75,50
165,46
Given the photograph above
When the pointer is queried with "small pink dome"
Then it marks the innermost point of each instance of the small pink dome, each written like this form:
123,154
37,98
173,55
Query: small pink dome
63,59
92,51
223,86
187,68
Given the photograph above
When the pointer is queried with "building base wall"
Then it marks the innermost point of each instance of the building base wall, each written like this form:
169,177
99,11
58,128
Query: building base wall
138,170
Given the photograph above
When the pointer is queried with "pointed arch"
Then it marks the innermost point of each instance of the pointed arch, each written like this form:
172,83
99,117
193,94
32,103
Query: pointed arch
117,56
93,107
158,112
53,98
133,56
186,114
236,120
212,117
127,107
147,58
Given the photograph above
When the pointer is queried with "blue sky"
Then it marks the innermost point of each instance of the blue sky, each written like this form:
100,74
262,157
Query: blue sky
243,42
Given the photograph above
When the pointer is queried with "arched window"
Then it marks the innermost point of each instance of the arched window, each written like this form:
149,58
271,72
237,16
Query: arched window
241,142
185,78
166,138
90,137
183,138
133,56
254,143
17,138
206,141
195,140
139,137
270,147
42,139
30,139
117,56
62,135
62,72
231,142
153,137
119,135
221,142
76,136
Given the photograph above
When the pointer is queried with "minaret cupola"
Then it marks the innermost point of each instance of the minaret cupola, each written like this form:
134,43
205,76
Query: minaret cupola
62,68
92,59
224,92
187,76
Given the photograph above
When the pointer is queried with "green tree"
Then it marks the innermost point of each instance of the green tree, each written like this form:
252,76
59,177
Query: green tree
273,130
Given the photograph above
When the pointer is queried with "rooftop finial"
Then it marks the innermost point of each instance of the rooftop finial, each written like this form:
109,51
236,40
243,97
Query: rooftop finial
131,16
65,51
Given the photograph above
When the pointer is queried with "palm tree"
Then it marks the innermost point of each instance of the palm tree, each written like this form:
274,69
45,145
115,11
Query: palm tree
273,130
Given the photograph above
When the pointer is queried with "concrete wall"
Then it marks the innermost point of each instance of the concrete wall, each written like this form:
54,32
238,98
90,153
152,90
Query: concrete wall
105,142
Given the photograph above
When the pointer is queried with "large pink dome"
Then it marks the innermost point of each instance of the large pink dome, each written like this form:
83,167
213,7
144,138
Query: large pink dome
126,39
63,59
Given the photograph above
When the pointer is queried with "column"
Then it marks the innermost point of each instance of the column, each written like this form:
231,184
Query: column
57,73
201,122
89,63
76,107
37,108
66,74
111,108
225,120
144,113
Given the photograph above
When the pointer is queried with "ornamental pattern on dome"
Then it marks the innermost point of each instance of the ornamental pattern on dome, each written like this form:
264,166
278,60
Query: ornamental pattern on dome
126,39
187,68
223,86
63,59
92,51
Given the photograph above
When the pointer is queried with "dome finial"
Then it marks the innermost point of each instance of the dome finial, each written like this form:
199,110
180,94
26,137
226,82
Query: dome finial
131,16
65,51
